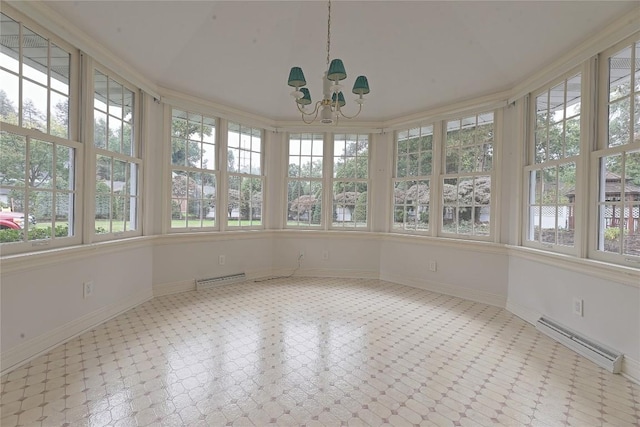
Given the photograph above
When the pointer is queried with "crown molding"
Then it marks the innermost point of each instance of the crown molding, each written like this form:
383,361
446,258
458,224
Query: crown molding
611,34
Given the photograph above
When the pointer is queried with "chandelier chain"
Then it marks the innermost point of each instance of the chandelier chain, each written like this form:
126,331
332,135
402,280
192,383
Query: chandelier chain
328,34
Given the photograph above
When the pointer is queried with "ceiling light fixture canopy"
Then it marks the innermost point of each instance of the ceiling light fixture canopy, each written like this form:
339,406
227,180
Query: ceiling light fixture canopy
330,108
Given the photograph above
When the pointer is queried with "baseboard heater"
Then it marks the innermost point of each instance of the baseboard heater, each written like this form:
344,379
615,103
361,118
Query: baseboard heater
214,282
597,353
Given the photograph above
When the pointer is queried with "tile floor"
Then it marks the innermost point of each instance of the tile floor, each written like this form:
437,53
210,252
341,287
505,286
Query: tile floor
314,352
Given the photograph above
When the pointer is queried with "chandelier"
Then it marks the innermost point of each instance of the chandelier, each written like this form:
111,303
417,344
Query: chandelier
330,108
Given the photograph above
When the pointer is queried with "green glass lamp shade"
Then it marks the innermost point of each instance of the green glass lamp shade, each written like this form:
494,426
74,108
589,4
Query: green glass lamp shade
341,100
336,70
306,97
296,77
361,86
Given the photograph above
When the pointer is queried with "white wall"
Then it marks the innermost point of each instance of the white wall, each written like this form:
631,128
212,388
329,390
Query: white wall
178,260
470,270
611,309
349,254
42,296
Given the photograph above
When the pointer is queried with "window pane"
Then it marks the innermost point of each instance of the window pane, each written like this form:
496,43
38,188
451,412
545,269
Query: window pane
41,167
115,135
34,106
9,43
115,99
41,207
13,159
101,91
9,97
35,53
60,69
208,156
59,115
611,230
631,229
619,122
620,74
63,219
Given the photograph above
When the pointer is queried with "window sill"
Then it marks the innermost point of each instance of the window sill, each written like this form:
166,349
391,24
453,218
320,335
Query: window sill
603,270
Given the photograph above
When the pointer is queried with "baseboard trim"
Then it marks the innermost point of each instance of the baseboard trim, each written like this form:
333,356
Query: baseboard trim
525,313
340,273
174,287
447,289
631,369
34,347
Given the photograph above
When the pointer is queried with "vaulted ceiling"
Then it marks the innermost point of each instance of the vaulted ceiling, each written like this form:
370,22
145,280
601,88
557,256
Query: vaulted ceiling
416,54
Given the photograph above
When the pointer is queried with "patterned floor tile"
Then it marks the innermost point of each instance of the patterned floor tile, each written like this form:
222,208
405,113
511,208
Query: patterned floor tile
325,352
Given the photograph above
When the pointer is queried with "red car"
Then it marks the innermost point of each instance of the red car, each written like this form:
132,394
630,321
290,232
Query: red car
14,220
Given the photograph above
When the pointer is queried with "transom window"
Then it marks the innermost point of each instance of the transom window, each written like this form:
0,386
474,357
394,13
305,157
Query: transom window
412,183
350,180
304,182
466,184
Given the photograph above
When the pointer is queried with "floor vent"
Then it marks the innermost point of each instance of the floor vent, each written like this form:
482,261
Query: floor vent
214,282
597,353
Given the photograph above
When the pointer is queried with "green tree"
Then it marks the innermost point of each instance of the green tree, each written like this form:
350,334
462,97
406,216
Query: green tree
350,168
32,117
250,197
360,211
8,112
185,152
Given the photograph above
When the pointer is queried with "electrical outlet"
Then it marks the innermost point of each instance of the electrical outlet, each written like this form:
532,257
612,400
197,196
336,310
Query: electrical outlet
433,266
577,306
87,289
325,255
222,259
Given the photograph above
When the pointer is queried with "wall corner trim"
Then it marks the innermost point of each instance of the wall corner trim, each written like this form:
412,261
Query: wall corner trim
525,313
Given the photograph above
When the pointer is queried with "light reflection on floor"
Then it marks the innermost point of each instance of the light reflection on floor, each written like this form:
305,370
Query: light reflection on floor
315,352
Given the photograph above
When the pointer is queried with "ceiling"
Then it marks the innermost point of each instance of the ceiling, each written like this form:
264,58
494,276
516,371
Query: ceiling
416,54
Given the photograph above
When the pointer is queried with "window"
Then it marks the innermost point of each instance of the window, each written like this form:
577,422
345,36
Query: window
194,173
117,157
304,183
554,154
618,158
411,186
37,154
350,180
466,185
245,177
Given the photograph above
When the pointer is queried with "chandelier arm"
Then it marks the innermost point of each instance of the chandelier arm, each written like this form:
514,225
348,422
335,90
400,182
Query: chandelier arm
339,110
313,113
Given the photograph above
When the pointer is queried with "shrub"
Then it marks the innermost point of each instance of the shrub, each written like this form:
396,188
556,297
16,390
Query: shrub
612,233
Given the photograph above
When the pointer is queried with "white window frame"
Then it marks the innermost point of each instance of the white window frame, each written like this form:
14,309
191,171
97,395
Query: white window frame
333,180
494,207
603,150
227,175
414,132
316,138
135,159
215,170
71,141
531,165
